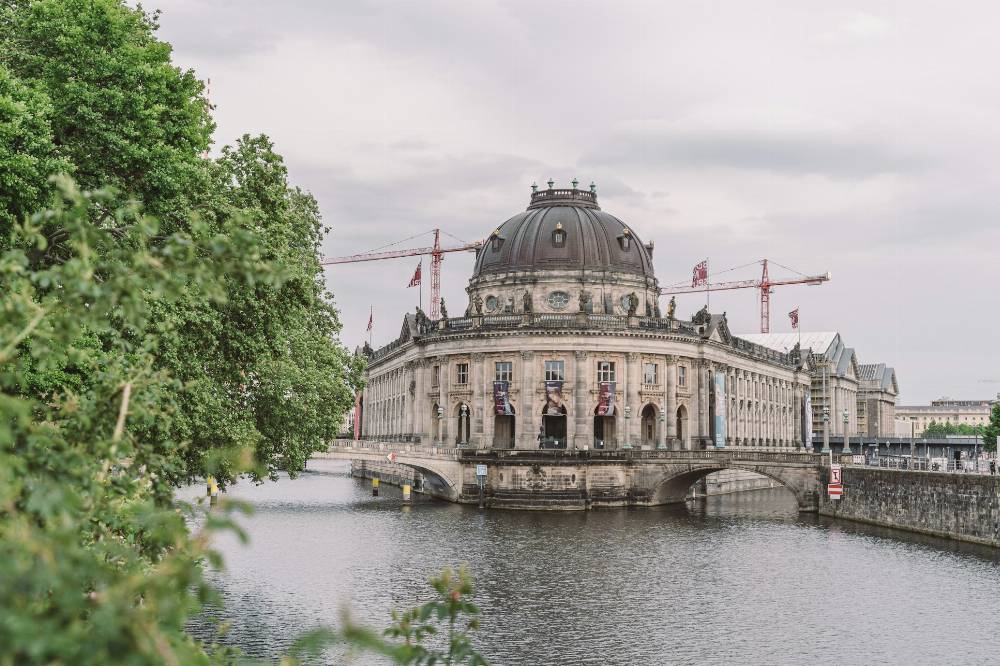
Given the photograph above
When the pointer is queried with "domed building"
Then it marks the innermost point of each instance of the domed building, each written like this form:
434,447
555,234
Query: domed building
564,344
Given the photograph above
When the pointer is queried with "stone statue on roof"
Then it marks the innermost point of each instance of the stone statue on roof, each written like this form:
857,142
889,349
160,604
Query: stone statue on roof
672,307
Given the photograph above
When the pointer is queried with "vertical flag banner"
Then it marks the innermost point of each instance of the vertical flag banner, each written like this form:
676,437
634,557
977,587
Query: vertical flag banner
720,410
794,316
501,399
371,319
699,274
415,280
553,397
606,399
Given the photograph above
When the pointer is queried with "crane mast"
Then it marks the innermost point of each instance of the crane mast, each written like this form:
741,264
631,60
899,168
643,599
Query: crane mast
437,256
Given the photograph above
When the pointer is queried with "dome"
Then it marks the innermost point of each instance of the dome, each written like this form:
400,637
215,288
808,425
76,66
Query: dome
564,229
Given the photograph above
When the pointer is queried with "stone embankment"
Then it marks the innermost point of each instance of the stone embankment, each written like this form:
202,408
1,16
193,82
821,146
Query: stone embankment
964,507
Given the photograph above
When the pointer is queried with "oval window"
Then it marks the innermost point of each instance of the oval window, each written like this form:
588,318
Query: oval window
492,303
558,300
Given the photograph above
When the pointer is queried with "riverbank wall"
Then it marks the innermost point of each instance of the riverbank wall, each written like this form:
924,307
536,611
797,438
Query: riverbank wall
964,507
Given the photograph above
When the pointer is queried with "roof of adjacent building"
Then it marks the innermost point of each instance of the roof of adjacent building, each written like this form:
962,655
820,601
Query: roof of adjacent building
878,376
826,344
594,239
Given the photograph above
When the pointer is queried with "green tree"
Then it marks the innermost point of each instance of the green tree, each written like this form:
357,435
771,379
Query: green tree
99,566
992,430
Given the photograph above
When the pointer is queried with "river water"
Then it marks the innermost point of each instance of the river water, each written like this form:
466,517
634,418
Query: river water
731,580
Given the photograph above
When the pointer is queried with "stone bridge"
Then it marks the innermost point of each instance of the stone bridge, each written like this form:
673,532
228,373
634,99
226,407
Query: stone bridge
583,479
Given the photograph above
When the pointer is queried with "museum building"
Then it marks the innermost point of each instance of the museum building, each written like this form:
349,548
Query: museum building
564,344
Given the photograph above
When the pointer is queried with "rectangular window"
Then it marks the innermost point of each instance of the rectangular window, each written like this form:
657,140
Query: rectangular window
649,374
462,373
555,371
682,375
605,371
504,371
435,375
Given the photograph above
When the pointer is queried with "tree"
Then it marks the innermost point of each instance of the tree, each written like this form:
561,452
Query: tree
992,430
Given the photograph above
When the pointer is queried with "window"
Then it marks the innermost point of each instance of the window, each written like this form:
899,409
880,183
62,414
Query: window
463,373
559,236
492,303
682,375
504,371
649,375
558,300
605,371
555,371
435,375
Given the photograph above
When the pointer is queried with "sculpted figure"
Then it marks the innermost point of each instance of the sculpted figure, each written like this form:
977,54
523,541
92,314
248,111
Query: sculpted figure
672,308
633,304
444,310
526,304
477,305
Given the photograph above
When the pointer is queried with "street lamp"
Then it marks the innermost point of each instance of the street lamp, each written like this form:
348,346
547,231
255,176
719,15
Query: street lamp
628,432
847,436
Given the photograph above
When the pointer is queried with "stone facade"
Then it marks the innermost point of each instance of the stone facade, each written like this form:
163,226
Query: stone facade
946,410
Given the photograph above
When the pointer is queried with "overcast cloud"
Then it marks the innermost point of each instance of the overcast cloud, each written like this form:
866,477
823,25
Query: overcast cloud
861,138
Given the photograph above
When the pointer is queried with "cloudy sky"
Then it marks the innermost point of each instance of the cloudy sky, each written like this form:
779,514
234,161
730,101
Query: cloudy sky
861,139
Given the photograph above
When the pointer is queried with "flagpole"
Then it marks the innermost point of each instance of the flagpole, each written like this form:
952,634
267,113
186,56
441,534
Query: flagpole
371,323
708,295
420,285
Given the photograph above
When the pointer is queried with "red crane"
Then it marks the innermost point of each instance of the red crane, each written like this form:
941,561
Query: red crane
765,284
437,255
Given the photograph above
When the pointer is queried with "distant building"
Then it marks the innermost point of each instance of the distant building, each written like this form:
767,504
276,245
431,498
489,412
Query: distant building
867,392
946,410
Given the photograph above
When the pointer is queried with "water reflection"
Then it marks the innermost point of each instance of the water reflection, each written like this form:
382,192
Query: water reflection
734,579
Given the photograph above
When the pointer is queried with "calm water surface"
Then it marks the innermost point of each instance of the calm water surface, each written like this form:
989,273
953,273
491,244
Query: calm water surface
736,579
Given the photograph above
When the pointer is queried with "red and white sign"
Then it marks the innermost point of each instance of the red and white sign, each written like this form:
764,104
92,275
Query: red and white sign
391,457
835,491
835,476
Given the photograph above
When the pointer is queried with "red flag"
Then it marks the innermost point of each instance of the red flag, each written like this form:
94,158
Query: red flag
371,320
699,275
794,316
415,280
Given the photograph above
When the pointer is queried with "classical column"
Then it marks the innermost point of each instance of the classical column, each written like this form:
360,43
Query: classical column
583,435
478,409
527,429
633,424
444,383
670,400
489,415
703,379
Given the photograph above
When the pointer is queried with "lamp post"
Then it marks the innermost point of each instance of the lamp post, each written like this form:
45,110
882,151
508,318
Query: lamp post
628,436
847,436
913,423
440,415
663,420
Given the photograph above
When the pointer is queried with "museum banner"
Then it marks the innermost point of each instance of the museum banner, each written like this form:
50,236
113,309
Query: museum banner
606,399
720,410
807,421
554,397
501,399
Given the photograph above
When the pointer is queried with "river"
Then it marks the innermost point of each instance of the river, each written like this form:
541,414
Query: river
731,580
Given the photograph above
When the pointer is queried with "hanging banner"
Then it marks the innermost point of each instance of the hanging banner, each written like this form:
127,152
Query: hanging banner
501,399
720,410
554,397
807,421
606,399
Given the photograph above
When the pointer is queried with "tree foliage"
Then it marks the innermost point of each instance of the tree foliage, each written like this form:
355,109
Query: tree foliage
935,429
992,430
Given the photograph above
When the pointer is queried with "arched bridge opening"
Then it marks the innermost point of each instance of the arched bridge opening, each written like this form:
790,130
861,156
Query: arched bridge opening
674,485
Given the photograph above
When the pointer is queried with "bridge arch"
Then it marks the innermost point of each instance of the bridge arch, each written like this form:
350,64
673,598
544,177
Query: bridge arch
674,483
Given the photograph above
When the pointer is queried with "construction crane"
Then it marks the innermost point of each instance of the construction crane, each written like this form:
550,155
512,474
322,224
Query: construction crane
765,284
437,255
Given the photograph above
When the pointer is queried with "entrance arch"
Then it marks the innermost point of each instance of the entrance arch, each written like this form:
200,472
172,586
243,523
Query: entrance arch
649,433
605,432
553,431
435,424
503,430
682,427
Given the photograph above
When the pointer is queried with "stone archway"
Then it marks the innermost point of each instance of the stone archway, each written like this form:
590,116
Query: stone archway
435,429
674,482
553,433
683,436
649,428
504,430
605,431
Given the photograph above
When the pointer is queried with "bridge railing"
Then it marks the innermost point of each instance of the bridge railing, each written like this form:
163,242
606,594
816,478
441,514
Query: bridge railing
981,467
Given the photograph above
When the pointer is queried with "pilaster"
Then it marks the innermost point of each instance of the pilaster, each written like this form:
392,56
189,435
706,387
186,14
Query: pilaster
582,434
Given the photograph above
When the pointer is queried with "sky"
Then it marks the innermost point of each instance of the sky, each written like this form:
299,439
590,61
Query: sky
856,138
